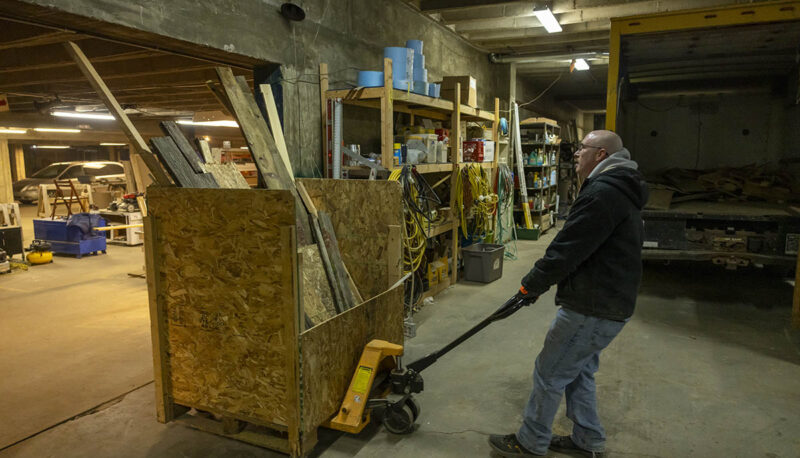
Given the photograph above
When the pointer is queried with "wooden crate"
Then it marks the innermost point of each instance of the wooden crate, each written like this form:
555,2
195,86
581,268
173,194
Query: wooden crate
230,351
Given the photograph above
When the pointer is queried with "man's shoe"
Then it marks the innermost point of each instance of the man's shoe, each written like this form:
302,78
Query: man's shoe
566,445
508,445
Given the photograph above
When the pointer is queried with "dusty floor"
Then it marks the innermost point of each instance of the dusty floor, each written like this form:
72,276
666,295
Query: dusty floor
708,367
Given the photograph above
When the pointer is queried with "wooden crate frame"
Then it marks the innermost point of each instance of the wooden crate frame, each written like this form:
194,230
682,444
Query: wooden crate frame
231,355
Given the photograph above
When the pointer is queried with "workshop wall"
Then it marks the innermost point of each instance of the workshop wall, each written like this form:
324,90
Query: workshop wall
709,131
346,34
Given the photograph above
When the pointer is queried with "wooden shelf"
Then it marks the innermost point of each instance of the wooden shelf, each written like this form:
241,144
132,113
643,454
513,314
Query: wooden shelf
431,168
409,102
439,229
538,189
545,210
540,166
539,144
485,165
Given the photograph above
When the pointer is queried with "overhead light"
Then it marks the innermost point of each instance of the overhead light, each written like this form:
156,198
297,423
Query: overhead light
223,123
113,144
243,147
581,64
547,19
51,146
73,114
12,130
63,131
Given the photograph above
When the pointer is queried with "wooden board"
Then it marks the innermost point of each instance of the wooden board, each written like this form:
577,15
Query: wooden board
327,373
276,128
179,168
171,129
315,289
362,212
262,144
339,269
114,107
226,284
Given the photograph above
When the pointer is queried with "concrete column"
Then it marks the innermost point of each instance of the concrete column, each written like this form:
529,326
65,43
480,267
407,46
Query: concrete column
6,192
19,162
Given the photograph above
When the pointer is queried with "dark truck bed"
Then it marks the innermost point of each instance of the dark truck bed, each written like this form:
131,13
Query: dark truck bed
732,234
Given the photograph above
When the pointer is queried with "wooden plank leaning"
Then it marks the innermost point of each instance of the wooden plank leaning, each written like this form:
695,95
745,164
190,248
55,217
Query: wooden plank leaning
114,107
262,145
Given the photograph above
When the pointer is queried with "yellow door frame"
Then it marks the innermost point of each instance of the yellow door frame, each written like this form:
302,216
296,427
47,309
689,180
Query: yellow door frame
683,20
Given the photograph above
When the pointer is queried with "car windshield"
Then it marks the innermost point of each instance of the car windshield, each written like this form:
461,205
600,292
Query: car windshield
51,171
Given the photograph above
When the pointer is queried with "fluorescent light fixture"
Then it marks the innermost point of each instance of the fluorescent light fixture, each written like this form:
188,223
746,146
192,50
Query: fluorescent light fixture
113,144
73,114
12,130
243,147
63,131
51,146
581,64
222,123
547,19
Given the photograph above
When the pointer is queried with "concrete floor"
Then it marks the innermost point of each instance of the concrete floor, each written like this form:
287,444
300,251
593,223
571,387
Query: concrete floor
708,367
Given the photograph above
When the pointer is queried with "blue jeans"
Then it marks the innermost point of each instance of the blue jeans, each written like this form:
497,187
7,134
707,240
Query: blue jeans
567,363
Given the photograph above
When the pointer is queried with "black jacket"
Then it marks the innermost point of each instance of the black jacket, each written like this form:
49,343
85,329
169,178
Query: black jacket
596,259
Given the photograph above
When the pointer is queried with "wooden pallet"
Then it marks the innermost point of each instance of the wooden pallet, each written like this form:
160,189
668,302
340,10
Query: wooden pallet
274,438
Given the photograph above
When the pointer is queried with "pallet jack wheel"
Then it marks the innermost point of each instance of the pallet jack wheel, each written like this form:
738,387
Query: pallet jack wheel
399,420
414,406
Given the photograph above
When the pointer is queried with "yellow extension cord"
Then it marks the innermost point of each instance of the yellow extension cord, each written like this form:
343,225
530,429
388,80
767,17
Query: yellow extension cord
483,201
414,239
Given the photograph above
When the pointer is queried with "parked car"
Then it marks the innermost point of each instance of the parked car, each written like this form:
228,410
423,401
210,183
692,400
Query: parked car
27,190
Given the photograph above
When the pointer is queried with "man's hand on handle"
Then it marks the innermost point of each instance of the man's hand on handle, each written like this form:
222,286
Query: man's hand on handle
527,297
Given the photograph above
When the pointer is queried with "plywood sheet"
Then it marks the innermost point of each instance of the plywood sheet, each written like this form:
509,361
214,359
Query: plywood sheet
330,352
225,263
227,175
315,289
362,212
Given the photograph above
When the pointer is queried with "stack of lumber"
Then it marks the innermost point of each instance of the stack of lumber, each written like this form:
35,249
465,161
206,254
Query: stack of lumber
327,284
749,183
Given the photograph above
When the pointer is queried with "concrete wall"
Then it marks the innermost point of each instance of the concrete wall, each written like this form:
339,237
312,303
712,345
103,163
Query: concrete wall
346,34
712,131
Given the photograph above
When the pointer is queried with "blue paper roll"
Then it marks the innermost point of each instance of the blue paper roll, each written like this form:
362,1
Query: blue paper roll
416,45
434,89
370,79
402,64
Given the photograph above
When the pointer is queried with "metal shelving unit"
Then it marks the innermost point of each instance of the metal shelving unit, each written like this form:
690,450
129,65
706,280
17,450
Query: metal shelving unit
544,138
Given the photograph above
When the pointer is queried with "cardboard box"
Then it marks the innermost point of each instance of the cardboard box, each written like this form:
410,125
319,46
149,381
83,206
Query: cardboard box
469,89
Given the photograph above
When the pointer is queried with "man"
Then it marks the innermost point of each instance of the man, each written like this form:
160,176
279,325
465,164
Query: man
596,261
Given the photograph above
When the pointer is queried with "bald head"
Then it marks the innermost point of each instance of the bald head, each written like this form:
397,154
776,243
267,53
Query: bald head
595,148
605,139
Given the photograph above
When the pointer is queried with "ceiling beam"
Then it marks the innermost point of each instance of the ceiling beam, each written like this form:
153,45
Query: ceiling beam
562,39
50,65
431,6
161,80
44,39
137,68
539,32
567,12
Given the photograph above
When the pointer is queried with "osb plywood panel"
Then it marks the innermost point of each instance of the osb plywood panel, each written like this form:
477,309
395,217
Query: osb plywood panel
330,352
315,288
361,212
225,261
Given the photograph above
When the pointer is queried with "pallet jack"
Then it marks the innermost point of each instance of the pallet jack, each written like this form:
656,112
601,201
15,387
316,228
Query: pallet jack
381,381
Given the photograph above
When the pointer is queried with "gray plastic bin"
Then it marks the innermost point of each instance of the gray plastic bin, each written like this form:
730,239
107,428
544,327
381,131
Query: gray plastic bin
483,262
